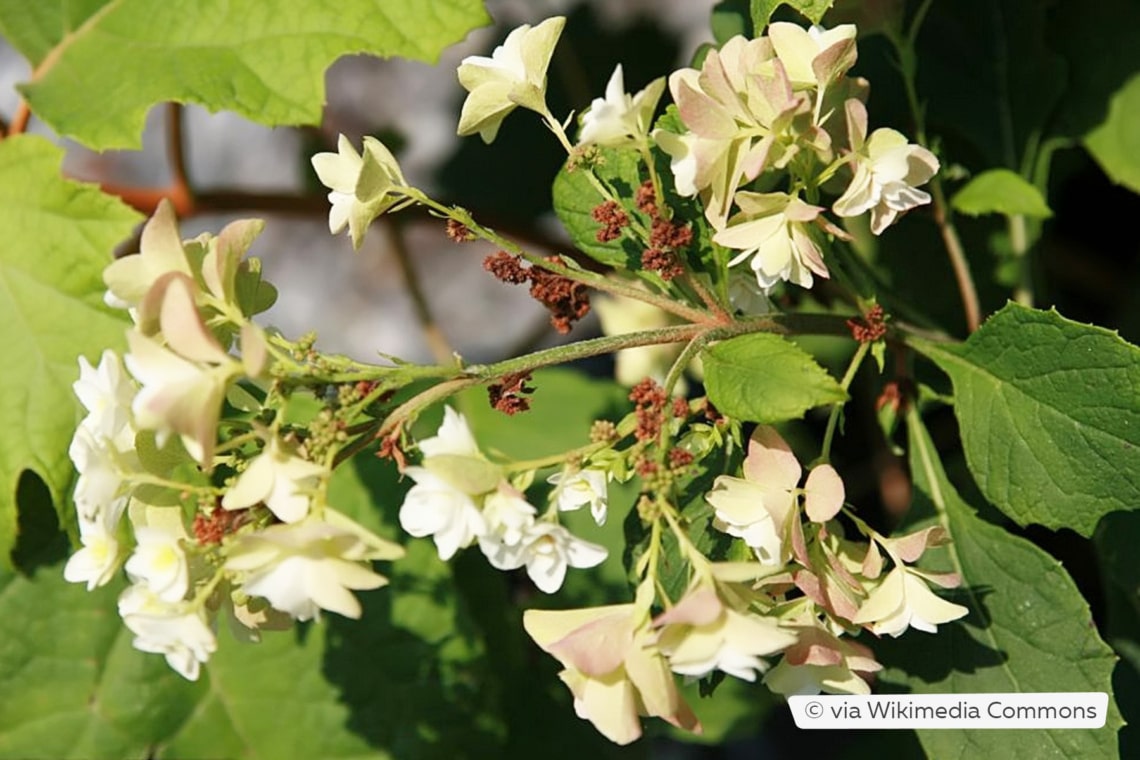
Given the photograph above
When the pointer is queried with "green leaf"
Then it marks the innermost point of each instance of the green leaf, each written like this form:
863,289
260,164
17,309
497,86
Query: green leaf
36,28
409,679
1050,416
575,199
1115,144
1001,191
1028,630
265,62
730,18
764,378
762,10
59,236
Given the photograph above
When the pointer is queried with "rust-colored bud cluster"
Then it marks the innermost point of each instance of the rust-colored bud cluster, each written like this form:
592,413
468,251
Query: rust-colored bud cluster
507,395
210,529
459,232
649,399
612,218
567,300
869,328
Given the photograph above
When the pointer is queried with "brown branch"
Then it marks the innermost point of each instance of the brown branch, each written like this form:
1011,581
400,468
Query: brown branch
20,119
957,257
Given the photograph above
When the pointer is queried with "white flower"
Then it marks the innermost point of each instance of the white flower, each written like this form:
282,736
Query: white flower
903,599
453,437
701,635
106,393
302,568
278,478
574,490
619,119
434,507
159,564
363,185
508,515
443,503
887,172
759,507
95,564
178,631
514,75
770,230
547,550
103,473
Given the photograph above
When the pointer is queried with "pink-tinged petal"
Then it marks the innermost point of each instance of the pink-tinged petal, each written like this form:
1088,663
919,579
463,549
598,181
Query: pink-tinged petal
824,494
701,114
182,325
873,561
700,607
548,627
834,60
911,546
595,648
219,267
799,544
856,123
770,460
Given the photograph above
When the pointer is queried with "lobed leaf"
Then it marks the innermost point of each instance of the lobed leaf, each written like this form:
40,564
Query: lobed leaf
1028,630
765,378
59,237
1049,411
98,71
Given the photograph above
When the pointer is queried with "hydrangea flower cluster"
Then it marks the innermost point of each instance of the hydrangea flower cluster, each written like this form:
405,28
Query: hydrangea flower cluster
460,498
202,527
197,480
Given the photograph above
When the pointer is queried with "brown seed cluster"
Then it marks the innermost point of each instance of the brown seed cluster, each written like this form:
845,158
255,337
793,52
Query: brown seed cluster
507,395
869,328
679,459
459,232
612,218
210,529
666,239
646,199
567,300
649,399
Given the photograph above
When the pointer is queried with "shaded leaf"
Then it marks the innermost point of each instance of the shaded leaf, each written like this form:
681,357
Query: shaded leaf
1028,630
1050,416
764,378
59,237
1115,143
407,680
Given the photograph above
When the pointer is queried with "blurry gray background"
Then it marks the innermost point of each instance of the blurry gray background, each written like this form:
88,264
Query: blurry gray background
358,303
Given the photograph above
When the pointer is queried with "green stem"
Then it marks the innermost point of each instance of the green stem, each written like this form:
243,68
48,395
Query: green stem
908,69
837,408
683,359
1019,244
